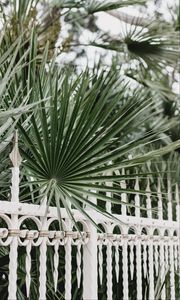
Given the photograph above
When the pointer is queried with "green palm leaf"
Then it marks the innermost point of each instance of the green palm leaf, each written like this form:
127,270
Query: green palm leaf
94,6
69,143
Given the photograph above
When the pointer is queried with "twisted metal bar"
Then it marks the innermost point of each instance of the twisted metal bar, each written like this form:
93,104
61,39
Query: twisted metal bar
166,256
176,257
68,269
125,269
56,264
162,269
43,255
138,269
78,260
109,270
100,260
28,267
151,270
117,261
156,255
13,254
42,269
172,279
132,259
13,257
145,259
177,204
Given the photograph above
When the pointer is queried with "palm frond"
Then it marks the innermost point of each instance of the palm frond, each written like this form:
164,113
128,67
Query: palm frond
94,6
71,138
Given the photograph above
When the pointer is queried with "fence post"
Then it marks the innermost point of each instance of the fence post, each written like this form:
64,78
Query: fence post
169,195
139,266
171,269
151,267
13,254
43,255
68,263
109,246
137,198
148,199
123,195
177,204
125,266
90,279
160,207
178,220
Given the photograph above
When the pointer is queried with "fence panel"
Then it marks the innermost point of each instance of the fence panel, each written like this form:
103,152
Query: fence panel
143,249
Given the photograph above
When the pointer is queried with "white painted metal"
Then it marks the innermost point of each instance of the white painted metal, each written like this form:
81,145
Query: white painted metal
125,268
109,248
42,270
145,258
172,279
177,204
123,195
156,257
43,255
68,264
162,269
138,269
137,198
56,264
131,243
165,254
117,260
90,263
148,200
151,270
160,208
13,254
28,267
166,250
175,251
100,261
169,200
23,209
109,270
78,260
108,194
90,284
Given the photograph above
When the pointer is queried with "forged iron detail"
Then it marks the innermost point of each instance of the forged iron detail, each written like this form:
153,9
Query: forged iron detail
148,255
131,259
56,264
100,261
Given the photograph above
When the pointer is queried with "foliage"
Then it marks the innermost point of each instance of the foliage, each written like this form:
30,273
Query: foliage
76,128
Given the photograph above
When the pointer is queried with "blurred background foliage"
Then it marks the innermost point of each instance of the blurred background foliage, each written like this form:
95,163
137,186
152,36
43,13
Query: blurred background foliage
144,52
141,49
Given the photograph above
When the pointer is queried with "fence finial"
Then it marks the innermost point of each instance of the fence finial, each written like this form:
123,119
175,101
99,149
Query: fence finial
15,155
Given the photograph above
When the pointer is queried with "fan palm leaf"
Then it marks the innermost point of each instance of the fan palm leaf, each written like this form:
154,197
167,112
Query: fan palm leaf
94,6
69,143
152,47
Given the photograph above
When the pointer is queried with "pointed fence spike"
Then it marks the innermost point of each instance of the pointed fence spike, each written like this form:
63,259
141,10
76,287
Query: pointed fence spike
15,155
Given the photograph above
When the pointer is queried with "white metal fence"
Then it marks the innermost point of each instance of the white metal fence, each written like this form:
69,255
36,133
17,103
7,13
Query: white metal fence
135,249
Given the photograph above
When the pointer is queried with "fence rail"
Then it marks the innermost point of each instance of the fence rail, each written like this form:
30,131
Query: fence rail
134,249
